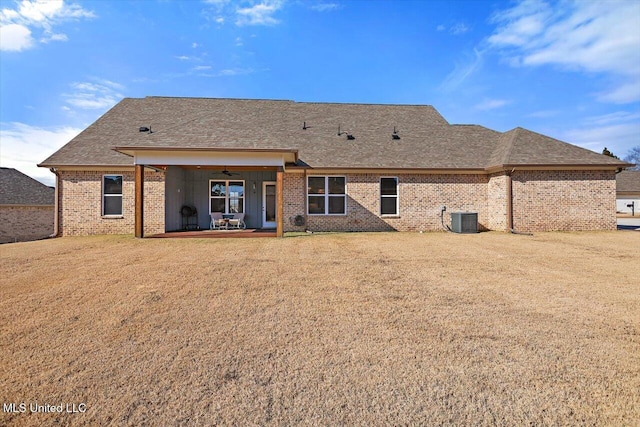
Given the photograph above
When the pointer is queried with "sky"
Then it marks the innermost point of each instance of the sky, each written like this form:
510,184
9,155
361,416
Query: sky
570,70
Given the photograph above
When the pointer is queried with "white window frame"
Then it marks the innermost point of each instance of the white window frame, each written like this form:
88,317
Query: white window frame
121,195
397,196
327,195
228,194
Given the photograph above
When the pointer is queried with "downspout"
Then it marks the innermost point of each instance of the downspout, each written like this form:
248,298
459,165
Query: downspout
510,206
509,202
56,213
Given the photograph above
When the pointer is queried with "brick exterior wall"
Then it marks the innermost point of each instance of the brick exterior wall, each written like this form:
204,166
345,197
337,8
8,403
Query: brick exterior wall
80,203
497,202
421,197
24,223
564,200
542,201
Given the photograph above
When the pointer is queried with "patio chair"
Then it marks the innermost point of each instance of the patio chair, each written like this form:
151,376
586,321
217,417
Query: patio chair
237,221
216,221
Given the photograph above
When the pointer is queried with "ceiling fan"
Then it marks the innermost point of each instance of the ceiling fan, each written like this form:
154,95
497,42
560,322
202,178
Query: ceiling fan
226,172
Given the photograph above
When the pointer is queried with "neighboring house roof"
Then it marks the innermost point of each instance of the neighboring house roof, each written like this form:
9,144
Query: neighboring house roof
17,188
628,182
427,140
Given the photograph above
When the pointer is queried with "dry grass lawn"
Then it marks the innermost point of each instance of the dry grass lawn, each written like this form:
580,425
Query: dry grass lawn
335,329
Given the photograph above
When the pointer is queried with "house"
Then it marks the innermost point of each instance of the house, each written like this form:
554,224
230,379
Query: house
26,207
628,192
320,166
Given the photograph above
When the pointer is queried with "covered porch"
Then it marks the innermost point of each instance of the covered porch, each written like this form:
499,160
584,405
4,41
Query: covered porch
231,181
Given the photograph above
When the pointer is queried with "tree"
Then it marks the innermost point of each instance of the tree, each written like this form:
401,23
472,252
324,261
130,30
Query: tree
634,157
609,153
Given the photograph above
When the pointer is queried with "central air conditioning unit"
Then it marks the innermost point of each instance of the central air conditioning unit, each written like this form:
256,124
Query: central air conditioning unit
464,222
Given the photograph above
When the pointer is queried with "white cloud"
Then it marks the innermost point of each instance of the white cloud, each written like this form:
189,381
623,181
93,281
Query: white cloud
18,25
492,104
455,29
459,28
54,38
24,146
622,94
218,3
101,94
234,72
462,71
202,67
618,131
619,138
615,117
15,37
325,7
600,37
259,14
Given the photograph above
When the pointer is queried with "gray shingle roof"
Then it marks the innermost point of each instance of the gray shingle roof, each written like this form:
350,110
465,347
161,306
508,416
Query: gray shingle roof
427,140
17,188
628,182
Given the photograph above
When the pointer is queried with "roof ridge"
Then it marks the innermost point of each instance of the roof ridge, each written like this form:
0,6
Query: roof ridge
286,100
215,98
511,142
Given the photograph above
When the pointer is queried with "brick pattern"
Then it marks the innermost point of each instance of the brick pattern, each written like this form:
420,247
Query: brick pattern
24,223
542,200
294,190
421,197
497,202
81,203
564,200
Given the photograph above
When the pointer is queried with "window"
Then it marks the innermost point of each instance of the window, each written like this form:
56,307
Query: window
112,195
388,196
326,195
226,196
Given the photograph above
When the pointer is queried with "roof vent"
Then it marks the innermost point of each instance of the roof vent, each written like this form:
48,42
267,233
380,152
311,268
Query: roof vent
395,135
144,129
349,136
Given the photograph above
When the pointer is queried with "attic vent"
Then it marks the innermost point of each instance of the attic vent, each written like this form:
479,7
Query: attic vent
144,129
342,132
464,222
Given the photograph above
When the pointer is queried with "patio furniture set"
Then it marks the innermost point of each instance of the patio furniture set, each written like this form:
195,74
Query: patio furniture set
221,221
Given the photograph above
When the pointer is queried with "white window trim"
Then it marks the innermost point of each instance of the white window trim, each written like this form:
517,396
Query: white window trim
397,196
326,195
121,195
228,195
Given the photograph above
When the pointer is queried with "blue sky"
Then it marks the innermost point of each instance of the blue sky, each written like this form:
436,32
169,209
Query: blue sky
570,70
